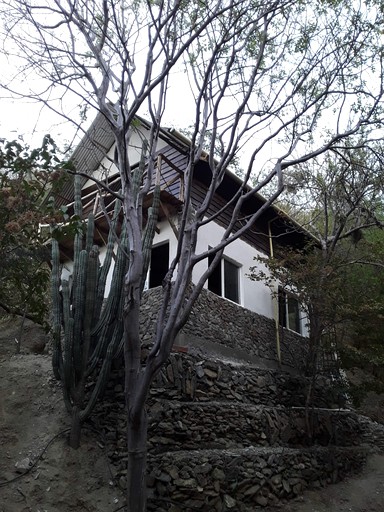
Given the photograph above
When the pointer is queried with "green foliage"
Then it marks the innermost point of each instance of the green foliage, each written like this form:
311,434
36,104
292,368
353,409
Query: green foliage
354,357
339,280
26,178
365,293
314,281
371,365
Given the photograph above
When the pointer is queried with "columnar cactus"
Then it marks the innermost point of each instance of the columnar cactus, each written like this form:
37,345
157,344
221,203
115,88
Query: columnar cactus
81,343
87,329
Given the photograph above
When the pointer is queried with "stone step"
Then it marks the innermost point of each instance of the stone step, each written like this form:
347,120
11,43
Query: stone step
192,426
177,426
243,479
174,426
187,378
233,409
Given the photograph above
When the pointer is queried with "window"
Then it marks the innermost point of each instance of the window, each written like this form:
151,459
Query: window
289,311
159,265
224,280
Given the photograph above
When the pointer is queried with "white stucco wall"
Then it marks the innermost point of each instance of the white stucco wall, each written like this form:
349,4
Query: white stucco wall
253,295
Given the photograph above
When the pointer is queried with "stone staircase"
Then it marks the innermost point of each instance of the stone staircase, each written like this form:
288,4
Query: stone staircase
228,435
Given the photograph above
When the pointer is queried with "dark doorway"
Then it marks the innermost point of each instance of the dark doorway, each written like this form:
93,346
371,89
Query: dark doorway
159,264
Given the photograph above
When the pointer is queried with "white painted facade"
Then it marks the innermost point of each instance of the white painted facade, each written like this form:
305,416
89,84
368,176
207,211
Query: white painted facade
253,295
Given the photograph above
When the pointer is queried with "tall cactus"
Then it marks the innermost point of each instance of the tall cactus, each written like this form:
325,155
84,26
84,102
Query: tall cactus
88,330
81,344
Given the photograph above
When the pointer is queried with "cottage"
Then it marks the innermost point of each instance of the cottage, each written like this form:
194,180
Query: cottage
231,290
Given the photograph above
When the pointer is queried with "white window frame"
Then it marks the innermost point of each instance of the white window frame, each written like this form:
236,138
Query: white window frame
285,321
238,266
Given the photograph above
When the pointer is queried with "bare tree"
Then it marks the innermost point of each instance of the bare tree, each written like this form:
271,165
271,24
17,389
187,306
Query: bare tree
281,82
336,197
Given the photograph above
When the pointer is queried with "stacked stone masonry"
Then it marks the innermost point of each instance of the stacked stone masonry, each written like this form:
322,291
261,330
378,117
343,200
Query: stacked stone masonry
234,437
230,435
242,480
244,329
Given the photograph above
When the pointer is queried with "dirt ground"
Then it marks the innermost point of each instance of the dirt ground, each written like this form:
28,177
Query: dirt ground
364,493
33,430
33,419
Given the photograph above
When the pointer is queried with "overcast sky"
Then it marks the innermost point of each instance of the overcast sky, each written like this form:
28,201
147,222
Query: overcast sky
31,120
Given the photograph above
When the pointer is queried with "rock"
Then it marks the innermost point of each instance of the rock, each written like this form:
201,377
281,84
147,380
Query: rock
218,474
200,371
298,488
210,492
203,468
187,483
216,486
161,489
174,473
188,387
276,479
252,490
174,508
262,501
123,482
229,502
23,464
201,480
260,382
164,477
170,374
286,486
209,373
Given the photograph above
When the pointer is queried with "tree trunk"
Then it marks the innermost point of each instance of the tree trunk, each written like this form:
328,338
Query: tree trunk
75,434
136,413
137,464
312,370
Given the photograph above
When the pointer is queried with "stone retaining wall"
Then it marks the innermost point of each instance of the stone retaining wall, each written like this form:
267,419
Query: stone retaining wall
192,426
185,378
226,436
244,329
240,480
198,404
